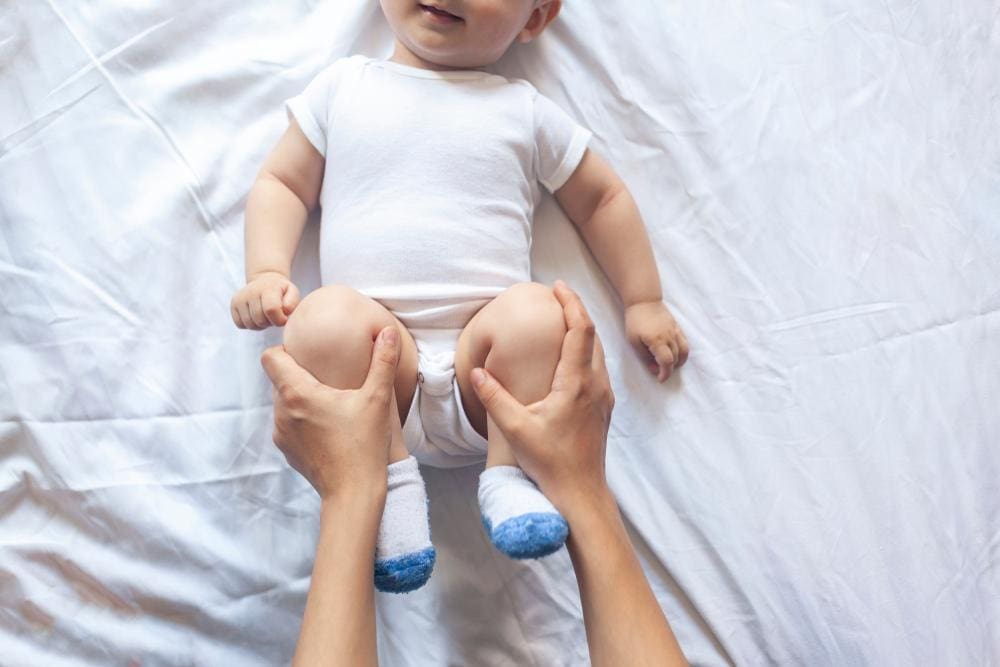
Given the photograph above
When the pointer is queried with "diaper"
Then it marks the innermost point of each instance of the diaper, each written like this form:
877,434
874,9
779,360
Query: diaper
437,431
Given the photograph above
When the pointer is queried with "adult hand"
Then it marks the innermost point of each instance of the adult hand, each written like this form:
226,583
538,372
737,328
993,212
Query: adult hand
560,441
338,439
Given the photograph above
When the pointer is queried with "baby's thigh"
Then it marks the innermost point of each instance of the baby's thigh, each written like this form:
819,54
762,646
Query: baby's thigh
332,333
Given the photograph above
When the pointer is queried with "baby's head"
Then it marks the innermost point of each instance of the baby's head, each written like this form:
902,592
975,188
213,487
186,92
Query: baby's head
466,34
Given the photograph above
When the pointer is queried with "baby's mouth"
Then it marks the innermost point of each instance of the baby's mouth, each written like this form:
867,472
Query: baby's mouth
439,15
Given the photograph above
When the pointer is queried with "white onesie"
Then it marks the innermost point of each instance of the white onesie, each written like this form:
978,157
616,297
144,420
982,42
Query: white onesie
428,196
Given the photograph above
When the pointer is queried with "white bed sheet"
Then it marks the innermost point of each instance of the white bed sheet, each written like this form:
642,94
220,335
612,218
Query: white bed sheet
821,182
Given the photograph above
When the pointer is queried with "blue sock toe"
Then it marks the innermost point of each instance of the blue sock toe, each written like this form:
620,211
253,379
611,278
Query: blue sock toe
529,535
404,573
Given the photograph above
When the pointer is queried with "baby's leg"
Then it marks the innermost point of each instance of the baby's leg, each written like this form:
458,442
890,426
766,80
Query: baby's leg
518,338
331,334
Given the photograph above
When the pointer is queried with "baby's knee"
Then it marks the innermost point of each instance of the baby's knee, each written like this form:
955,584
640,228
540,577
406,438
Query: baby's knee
530,322
331,333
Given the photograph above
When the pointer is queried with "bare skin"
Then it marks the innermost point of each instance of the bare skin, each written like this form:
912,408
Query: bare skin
594,197
465,34
595,200
336,349
339,440
560,441
516,336
477,33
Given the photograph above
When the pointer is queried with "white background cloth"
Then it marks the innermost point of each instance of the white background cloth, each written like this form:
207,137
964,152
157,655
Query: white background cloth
821,182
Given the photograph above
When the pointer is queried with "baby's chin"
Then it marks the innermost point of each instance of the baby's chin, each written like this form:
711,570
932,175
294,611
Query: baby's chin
444,54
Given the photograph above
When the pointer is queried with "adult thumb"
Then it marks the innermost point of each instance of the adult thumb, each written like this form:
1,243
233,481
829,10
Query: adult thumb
385,357
283,370
504,408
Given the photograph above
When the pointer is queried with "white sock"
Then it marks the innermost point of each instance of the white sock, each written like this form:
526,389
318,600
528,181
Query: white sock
404,556
520,520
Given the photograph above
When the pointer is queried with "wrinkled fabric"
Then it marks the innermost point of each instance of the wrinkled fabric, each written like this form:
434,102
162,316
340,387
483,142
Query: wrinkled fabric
821,184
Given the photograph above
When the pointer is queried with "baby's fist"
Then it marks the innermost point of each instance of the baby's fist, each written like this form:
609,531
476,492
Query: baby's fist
655,335
268,298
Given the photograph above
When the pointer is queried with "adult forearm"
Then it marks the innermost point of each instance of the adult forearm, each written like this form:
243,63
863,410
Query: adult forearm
624,622
338,627
617,236
275,218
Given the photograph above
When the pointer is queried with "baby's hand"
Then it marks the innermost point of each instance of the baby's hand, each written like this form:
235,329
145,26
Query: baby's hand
268,298
654,334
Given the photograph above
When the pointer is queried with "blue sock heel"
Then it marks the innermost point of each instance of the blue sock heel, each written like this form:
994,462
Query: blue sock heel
405,573
530,535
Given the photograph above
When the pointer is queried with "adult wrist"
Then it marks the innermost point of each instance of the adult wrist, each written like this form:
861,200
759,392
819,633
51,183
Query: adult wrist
589,505
596,520
356,499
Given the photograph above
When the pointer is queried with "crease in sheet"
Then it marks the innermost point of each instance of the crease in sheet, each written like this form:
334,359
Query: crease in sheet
92,419
67,488
658,564
892,338
92,287
18,137
108,55
193,186
833,315
13,269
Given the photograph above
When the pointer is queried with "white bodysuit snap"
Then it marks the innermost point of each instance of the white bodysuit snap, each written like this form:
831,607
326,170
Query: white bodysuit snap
429,190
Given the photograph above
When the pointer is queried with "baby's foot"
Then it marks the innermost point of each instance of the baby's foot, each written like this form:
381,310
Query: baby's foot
520,521
404,555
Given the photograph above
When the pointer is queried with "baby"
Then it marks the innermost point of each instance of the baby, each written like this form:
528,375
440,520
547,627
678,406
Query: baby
427,170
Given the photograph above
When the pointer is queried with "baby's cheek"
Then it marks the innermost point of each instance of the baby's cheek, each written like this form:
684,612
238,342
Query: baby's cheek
498,22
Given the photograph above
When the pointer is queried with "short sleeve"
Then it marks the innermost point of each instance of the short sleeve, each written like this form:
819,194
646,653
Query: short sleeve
311,108
560,143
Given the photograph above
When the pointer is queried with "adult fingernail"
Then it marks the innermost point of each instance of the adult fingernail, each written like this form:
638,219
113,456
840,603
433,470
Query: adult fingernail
478,377
390,336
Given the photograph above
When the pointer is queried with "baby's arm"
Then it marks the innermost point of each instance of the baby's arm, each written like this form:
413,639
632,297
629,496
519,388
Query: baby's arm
286,190
604,212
